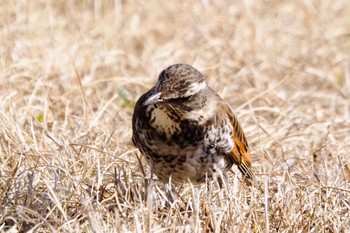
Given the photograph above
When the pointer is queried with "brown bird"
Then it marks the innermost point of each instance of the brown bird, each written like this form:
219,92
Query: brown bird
187,131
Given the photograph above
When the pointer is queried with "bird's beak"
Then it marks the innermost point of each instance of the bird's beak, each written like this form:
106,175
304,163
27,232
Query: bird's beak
153,99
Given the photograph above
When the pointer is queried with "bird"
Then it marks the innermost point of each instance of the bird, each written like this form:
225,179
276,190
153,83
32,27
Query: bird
186,131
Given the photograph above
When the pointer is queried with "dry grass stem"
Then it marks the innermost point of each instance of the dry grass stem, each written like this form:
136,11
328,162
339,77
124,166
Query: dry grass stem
71,71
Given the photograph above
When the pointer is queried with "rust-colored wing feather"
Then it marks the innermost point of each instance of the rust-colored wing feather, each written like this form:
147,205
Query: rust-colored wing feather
240,151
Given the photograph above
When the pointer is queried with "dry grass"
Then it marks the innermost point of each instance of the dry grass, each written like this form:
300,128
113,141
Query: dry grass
72,70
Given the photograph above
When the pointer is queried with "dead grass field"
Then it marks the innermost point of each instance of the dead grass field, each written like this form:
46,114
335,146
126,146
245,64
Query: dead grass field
71,72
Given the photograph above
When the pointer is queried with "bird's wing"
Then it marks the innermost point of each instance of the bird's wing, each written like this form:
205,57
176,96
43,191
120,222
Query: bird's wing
240,151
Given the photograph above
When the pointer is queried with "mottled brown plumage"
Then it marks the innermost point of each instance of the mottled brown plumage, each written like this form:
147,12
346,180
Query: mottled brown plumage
186,131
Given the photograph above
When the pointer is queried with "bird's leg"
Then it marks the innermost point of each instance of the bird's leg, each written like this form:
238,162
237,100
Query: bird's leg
172,196
169,193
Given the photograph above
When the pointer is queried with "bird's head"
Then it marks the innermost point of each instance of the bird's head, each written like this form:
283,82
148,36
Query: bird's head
177,84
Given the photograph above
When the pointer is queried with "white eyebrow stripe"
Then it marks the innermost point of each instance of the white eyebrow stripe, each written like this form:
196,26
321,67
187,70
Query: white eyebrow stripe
195,87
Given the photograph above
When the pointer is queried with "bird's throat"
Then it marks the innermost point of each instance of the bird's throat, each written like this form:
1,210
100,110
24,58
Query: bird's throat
163,120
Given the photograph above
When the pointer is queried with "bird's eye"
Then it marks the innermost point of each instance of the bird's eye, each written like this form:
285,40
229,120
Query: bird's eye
179,100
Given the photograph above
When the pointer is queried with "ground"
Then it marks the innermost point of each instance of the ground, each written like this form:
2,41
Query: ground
71,72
